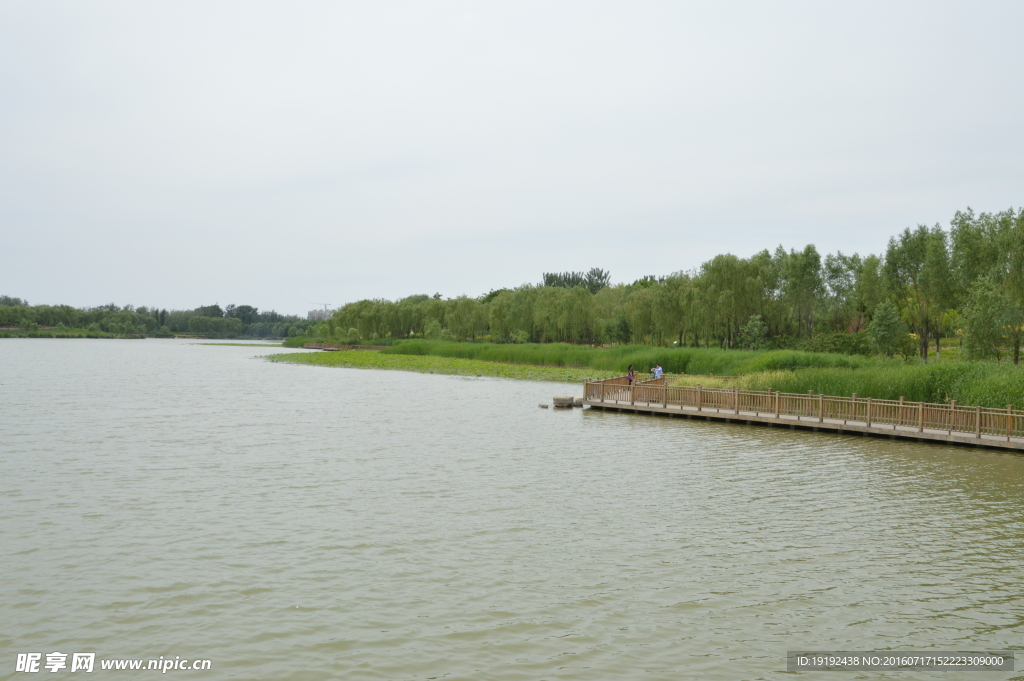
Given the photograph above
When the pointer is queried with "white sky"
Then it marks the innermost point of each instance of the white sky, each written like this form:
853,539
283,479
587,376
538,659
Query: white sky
292,153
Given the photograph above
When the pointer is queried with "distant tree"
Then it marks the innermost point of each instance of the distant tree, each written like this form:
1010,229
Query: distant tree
753,334
594,280
494,293
802,285
597,279
646,282
985,317
868,289
499,316
838,302
432,330
887,331
13,302
918,272
247,313
210,311
620,331
564,279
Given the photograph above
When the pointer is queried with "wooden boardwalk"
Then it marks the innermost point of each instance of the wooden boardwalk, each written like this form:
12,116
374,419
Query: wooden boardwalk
895,419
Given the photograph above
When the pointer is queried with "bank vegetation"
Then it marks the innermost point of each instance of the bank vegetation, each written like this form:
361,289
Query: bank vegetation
964,282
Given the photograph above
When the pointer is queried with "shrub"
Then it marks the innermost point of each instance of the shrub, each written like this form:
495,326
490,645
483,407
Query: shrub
753,334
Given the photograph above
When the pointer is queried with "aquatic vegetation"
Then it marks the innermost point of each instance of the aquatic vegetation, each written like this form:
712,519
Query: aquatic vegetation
642,357
987,384
374,359
246,345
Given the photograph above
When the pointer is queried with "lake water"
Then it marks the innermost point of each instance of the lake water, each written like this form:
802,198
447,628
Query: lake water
163,498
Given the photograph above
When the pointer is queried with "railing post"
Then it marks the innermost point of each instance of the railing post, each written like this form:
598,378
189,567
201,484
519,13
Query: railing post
597,390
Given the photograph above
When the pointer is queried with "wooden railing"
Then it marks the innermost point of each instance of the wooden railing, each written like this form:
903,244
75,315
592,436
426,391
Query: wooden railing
950,417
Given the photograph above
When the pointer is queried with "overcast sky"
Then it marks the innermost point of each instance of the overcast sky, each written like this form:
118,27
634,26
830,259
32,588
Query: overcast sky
288,154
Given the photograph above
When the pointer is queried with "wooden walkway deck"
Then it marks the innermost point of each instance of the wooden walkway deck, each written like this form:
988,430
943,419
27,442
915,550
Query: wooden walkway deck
921,422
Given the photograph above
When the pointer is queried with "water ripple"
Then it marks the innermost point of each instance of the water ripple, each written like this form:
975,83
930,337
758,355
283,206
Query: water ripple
287,522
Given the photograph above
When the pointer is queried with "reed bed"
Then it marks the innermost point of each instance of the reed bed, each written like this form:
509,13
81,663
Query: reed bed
985,384
376,359
642,357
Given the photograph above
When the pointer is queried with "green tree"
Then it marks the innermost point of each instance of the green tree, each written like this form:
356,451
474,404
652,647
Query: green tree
917,271
597,279
987,313
887,331
839,279
869,288
432,330
801,287
937,284
1011,245
753,334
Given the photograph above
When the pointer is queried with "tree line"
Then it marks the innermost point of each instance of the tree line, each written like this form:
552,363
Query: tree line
209,320
929,283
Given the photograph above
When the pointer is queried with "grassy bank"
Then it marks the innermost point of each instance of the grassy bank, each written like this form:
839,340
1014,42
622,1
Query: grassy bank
299,341
246,345
985,384
642,357
67,333
432,364
988,384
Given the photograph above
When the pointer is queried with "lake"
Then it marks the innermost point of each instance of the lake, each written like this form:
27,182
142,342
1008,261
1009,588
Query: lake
166,498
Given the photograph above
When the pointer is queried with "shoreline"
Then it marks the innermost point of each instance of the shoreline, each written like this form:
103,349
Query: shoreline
433,364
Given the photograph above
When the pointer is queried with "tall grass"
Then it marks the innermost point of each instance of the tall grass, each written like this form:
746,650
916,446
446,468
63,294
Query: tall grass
987,384
642,357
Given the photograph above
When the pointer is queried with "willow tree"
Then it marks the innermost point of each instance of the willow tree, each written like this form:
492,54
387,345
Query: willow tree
986,315
917,271
1011,247
802,286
